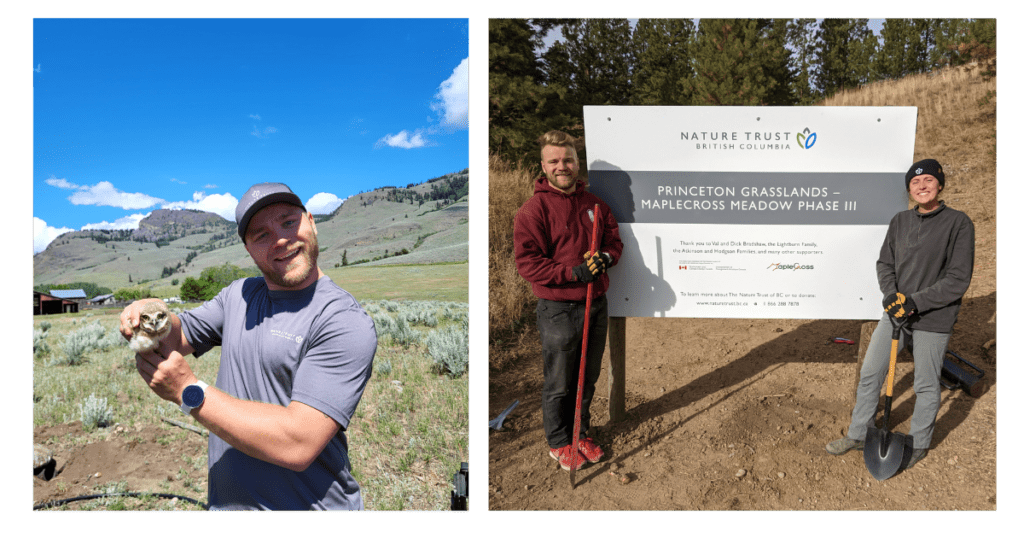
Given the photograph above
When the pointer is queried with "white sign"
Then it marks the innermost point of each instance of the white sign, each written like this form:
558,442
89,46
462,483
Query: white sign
749,212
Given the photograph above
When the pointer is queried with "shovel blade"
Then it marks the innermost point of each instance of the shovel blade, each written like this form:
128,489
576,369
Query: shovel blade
885,452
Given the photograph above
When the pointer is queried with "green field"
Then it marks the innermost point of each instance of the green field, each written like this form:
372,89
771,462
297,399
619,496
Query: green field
435,282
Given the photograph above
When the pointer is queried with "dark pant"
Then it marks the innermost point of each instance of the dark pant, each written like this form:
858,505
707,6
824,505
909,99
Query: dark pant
561,336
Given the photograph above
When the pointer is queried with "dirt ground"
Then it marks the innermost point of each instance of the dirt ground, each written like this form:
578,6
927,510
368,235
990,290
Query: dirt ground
735,415
151,458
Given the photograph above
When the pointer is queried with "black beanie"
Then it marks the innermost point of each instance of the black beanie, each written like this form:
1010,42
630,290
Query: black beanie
927,166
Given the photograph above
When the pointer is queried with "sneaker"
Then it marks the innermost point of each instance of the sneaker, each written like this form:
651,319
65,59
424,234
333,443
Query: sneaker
844,445
917,455
590,450
565,459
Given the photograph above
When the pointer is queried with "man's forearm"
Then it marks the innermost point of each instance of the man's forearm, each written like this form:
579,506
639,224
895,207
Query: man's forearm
291,437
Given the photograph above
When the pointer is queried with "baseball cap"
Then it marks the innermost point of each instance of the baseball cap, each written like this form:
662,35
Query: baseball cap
259,196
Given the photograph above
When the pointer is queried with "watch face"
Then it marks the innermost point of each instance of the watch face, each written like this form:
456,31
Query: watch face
192,396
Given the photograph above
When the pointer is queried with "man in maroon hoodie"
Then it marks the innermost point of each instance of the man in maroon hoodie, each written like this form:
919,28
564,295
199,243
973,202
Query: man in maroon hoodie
552,248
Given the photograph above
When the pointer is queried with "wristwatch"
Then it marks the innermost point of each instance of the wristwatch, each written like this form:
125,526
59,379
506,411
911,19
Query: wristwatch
193,396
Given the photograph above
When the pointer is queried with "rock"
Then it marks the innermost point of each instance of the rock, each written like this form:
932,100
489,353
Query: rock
782,475
741,473
625,479
616,466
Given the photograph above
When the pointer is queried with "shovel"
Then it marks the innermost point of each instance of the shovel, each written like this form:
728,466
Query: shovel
884,451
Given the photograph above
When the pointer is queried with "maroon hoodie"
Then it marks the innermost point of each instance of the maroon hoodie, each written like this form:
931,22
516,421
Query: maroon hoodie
552,232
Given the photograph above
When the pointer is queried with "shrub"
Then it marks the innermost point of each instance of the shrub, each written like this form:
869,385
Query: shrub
88,338
402,333
449,347
95,413
125,295
382,367
39,345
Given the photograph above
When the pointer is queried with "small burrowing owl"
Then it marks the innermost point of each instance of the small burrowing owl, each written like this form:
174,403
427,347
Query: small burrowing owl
154,325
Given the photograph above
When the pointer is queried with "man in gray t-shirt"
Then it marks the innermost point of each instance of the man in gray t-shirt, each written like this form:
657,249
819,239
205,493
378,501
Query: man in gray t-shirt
296,354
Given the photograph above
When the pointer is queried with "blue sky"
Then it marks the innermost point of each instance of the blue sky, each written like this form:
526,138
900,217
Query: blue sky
132,115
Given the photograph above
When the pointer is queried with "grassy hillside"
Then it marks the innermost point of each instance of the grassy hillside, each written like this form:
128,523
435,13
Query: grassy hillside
364,228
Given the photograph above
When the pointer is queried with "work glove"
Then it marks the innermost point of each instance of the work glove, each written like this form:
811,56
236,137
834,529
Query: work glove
898,305
582,273
598,263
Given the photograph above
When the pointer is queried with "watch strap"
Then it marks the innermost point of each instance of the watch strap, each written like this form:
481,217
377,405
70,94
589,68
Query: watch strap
185,408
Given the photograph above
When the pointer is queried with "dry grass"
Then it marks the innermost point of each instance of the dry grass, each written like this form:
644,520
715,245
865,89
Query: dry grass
510,294
955,124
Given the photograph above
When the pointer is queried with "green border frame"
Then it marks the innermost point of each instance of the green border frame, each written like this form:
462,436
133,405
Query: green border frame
15,32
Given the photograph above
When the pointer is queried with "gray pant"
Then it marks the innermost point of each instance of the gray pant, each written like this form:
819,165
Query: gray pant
929,350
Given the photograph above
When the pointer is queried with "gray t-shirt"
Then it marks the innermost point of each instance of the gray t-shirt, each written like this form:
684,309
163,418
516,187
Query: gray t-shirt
314,346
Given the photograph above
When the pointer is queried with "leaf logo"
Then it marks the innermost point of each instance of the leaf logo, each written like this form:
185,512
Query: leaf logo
806,139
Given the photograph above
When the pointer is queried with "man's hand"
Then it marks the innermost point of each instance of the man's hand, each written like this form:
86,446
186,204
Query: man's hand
130,317
898,305
167,377
598,262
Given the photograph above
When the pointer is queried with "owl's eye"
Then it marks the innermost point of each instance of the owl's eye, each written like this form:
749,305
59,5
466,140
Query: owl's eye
161,315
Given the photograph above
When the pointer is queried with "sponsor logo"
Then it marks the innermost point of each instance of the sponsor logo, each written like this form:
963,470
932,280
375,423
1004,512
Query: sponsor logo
590,213
806,139
788,267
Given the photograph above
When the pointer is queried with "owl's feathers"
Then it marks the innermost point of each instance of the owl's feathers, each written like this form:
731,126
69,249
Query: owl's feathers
154,325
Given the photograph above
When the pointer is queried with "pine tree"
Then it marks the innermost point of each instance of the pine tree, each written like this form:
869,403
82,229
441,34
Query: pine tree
776,63
661,62
593,61
845,50
801,37
727,62
521,105
894,57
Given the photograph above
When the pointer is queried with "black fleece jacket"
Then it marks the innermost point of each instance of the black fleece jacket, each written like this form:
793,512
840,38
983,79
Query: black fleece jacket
929,257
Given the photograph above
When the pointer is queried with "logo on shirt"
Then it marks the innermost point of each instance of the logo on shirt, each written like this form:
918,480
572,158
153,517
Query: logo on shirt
590,213
286,335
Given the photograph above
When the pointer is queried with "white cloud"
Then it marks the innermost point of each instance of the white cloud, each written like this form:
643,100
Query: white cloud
323,203
43,235
130,222
178,181
453,98
221,204
404,139
262,133
105,194
61,183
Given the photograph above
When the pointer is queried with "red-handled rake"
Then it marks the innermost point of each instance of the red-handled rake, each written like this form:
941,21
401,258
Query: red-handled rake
573,457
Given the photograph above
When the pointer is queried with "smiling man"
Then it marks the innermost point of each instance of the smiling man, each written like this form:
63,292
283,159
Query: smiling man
296,354
552,237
